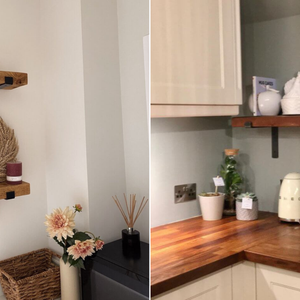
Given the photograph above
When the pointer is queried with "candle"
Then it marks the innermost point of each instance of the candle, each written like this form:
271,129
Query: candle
14,172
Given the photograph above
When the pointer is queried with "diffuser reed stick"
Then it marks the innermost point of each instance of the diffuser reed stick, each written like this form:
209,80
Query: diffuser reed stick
130,218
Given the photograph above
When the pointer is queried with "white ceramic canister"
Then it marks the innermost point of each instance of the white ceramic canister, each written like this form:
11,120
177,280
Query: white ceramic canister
269,102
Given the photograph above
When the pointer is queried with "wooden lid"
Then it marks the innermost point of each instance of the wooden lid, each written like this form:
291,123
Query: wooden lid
231,151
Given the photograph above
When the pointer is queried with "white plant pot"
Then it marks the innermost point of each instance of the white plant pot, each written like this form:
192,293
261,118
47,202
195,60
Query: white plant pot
212,207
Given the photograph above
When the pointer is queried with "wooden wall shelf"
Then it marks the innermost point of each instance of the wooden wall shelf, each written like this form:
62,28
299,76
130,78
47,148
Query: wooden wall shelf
266,121
272,122
9,191
12,80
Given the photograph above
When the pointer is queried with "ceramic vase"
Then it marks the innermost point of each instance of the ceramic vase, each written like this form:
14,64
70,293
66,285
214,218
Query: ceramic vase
69,281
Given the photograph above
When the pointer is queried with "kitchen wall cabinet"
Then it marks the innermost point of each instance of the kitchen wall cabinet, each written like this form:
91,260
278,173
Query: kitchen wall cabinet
213,287
277,284
195,58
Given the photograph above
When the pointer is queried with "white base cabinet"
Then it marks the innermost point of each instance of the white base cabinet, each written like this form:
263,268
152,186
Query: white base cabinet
277,284
213,287
242,281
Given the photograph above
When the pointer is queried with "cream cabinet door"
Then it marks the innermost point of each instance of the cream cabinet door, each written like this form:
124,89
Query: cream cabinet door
243,281
277,284
212,287
195,52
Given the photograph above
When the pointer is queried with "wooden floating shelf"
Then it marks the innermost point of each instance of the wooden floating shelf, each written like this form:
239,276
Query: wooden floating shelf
9,191
12,80
266,121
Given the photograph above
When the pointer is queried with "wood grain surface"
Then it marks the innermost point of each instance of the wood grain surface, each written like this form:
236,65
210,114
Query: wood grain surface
267,121
187,250
19,189
19,79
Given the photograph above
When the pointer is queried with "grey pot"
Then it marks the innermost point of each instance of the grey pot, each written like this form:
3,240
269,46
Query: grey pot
243,214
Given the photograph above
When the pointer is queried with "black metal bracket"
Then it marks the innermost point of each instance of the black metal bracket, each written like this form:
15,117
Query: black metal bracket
275,138
10,195
275,150
7,82
248,124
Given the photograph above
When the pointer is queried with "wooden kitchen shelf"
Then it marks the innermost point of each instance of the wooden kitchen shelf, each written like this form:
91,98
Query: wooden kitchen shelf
9,191
266,121
272,122
12,80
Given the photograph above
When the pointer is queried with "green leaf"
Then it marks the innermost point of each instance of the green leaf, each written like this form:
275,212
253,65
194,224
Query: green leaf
80,264
70,241
65,257
58,242
81,236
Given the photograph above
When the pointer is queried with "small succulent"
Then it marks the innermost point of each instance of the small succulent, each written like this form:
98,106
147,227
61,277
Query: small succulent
246,195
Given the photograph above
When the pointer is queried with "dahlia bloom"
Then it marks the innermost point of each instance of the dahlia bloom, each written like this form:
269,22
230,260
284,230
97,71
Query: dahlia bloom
78,207
60,223
82,249
99,244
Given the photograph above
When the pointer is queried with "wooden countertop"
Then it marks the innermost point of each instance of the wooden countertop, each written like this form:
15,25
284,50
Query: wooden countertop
187,250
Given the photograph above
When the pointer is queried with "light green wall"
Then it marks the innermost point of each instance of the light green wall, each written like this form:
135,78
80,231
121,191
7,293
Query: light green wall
270,49
184,150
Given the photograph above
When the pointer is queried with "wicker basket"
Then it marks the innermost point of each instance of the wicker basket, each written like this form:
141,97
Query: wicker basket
30,276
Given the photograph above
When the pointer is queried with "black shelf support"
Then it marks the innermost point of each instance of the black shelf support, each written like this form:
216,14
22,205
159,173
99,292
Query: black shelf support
275,148
274,132
7,82
10,195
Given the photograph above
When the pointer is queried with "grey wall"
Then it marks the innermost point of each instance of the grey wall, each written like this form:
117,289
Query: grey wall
184,150
269,49
261,171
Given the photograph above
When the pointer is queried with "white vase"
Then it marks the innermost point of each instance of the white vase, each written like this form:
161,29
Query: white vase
212,207
69,281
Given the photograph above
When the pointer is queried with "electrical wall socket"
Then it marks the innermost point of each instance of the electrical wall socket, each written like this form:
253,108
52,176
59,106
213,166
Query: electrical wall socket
184,192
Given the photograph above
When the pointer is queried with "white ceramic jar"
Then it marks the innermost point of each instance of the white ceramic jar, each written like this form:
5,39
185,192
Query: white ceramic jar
269,102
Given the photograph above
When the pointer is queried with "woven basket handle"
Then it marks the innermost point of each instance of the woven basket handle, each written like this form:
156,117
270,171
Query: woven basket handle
6,277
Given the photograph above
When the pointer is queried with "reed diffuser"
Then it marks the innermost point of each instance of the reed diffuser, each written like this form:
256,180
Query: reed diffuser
130,237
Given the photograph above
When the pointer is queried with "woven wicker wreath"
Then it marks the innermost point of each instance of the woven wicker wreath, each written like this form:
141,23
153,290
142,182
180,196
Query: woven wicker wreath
8,148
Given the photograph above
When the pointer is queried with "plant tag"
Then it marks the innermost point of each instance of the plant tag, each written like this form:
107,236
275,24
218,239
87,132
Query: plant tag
218,181
247,203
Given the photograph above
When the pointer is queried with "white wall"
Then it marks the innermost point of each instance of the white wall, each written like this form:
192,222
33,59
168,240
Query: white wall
184,150
105,149
21,219
63,92
133,25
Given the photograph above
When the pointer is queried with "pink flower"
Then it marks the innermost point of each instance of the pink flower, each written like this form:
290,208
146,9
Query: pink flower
60,223
82,249
78,207
99,244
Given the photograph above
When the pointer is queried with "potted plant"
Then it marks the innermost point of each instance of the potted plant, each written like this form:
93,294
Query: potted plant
246,213
212,205
232,180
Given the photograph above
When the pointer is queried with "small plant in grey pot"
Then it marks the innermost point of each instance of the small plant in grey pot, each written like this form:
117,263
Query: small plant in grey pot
246,214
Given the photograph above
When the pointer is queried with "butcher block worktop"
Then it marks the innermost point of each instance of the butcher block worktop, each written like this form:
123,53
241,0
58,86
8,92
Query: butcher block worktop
187,250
